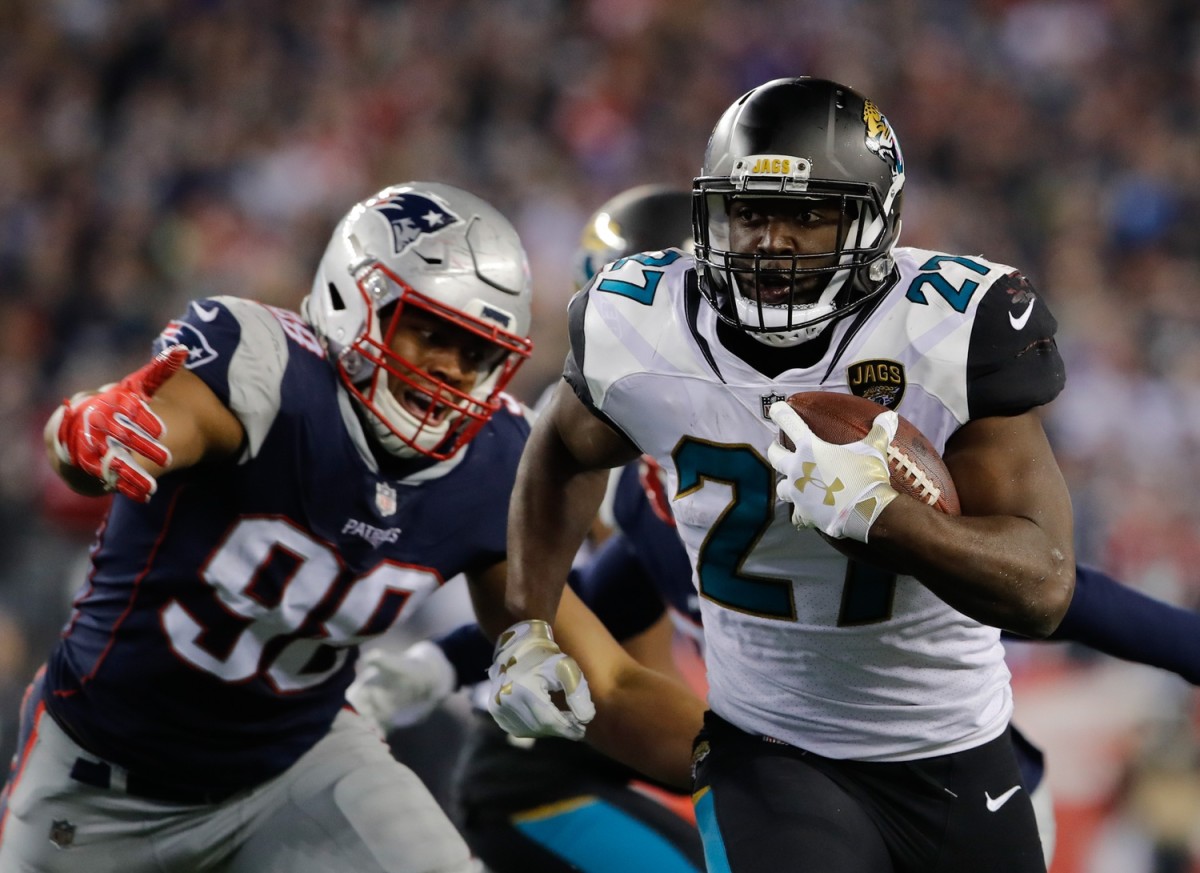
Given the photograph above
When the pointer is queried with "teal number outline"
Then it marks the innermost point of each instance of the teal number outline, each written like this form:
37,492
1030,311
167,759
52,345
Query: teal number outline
959,297
645,292
738,529
868,592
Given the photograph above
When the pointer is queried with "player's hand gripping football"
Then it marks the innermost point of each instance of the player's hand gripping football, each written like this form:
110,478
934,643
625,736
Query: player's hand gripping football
99,433
838,489
399,689
528,668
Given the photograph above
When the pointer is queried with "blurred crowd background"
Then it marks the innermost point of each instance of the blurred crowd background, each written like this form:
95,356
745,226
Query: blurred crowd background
152,151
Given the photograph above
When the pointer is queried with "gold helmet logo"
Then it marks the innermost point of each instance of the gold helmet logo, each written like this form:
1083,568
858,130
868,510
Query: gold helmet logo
880,138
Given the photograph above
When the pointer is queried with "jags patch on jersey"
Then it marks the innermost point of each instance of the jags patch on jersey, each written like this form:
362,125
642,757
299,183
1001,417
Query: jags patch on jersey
878,380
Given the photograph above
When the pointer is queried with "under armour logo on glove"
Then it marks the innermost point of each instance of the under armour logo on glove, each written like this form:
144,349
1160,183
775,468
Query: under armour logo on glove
808,479
851,482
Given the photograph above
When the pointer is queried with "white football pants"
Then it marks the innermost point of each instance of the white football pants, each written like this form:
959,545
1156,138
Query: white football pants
346,805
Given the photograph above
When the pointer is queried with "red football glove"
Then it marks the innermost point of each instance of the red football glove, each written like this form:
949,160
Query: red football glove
98,433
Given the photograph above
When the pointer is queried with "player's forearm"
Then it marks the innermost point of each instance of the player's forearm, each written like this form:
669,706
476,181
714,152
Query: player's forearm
648,722
1000,570
553,504
1117,620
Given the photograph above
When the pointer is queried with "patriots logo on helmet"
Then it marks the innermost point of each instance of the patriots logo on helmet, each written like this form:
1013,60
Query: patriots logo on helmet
413,216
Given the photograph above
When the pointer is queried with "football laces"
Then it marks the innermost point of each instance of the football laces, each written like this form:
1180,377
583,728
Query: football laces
909,471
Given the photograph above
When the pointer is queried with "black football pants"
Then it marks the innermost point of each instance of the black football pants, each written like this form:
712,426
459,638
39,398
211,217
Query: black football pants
762,805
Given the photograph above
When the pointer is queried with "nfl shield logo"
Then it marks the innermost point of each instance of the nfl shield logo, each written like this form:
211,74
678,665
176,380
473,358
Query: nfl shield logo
62,833
385,498
768,400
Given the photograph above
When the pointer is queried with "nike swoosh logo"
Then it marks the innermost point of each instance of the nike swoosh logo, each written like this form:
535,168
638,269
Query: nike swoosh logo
210,314
1019,323
994,804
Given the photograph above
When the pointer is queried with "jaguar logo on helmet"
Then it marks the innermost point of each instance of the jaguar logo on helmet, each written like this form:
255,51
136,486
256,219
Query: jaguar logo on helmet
413,216
880,138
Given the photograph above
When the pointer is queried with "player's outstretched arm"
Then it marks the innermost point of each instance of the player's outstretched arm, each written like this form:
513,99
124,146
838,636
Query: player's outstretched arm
560,482
121,437
1008,560
644,718
640,717
1119,621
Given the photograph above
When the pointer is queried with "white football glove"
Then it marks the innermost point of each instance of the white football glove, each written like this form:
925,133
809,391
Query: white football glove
399,689
839,490
527,668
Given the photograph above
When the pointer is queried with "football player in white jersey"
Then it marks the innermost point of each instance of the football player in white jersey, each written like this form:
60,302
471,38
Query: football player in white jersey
859,703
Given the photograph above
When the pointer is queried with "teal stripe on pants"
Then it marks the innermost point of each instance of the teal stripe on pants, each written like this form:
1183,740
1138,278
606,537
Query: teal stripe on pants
714,847
598,837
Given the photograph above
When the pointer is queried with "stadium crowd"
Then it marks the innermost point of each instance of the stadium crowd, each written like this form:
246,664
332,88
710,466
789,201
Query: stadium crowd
152,151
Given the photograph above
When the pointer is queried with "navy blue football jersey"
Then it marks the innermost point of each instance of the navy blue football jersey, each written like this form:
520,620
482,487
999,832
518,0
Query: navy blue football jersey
642,512
215,636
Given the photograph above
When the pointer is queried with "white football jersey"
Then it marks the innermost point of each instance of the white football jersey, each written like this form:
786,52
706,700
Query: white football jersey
803,645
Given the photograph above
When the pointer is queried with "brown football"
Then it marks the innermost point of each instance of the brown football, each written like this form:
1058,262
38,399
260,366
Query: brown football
917,468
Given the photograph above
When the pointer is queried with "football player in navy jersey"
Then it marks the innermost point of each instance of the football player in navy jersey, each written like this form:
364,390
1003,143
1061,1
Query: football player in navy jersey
859,704
288,487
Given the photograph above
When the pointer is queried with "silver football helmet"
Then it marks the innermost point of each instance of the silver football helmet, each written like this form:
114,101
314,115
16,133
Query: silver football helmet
647,218
804,140
441,251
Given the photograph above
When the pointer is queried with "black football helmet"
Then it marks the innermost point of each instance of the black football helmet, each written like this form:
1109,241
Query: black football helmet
809,139
647,218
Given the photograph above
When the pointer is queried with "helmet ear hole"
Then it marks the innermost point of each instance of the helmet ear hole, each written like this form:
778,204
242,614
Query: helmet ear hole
335,298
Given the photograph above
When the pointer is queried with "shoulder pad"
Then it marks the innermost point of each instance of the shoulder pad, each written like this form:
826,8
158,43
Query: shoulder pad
1013,364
